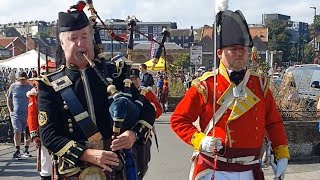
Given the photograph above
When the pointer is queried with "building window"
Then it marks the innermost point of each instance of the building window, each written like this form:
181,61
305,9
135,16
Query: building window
186,37
102,35
172,38
137,36
179,37
150,29
155,29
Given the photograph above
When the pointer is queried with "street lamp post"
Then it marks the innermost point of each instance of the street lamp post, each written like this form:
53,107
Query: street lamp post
315,31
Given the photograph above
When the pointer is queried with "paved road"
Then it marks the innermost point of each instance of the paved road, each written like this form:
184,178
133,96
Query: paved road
171,163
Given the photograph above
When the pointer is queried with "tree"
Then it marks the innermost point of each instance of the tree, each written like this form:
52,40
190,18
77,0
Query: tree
293,53
181,62
317,24
279,37
308,53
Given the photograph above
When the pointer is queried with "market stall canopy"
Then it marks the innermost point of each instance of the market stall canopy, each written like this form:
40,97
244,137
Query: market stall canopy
27,60
160,66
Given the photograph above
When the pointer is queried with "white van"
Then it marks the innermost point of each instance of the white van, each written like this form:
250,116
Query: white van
307,78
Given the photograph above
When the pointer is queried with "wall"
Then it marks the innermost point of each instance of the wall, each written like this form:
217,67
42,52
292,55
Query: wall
303,137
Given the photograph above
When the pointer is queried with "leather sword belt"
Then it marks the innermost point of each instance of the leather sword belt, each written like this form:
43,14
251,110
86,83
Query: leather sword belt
244,160
247,160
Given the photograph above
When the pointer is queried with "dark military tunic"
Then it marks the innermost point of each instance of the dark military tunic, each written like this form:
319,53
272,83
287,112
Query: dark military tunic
60,133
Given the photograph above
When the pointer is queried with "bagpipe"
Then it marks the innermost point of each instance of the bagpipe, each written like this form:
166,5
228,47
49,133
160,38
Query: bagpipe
129,108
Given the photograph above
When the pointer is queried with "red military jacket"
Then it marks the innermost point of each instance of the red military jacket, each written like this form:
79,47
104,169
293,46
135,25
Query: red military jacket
32,119
246,131
155,103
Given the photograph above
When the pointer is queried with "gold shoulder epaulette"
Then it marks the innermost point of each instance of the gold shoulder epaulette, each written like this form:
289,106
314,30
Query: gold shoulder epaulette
44,78
254,73
208,74
264,81
57,71
203,88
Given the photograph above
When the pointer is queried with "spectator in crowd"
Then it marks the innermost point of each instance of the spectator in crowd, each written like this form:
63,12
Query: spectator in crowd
146,78
164,94
17,103
159,86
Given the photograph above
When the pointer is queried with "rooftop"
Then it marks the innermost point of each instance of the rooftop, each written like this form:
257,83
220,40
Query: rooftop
146,46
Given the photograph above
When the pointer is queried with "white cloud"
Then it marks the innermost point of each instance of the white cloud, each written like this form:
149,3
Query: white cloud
184,12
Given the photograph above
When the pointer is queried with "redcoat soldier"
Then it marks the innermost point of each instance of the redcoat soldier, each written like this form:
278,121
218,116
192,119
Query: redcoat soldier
245,111
32,121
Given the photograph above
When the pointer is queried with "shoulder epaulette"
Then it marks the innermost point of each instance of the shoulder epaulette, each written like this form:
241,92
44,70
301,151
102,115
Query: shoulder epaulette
254,73
208,74
57,71
264,81
202,88
44,78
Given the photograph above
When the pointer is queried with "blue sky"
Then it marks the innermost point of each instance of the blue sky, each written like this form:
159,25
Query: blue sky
184,12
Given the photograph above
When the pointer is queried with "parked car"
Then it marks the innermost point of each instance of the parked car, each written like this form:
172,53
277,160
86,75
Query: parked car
307,78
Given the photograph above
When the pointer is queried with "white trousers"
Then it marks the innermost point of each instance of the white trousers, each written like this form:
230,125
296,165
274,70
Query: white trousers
226,175
46,163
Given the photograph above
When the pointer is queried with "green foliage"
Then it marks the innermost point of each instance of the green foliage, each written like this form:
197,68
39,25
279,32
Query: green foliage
279,37
308,53
317,23
263,68
181,62
177,89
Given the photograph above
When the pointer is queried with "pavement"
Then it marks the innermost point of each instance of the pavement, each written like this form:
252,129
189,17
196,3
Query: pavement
170,163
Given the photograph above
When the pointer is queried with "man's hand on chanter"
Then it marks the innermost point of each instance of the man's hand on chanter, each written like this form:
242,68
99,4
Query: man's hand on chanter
101,158
124,140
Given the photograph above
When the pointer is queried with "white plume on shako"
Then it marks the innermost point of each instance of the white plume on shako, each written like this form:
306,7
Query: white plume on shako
221,5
